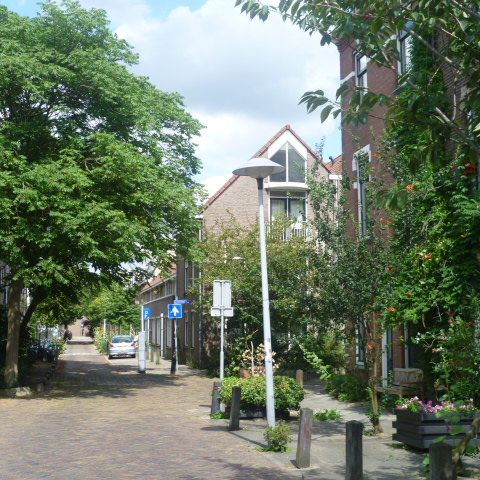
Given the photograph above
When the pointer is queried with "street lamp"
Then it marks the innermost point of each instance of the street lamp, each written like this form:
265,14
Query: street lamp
260,168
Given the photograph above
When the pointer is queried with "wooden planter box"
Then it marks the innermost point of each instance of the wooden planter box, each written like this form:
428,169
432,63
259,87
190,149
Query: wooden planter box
421,429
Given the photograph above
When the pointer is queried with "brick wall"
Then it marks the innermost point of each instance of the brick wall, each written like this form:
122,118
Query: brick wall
379,80
239,200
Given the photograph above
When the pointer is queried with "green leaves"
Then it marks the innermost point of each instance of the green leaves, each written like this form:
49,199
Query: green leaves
96,164
313,100
326,112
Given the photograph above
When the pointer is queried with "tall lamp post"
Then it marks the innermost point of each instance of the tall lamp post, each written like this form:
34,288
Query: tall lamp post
260,168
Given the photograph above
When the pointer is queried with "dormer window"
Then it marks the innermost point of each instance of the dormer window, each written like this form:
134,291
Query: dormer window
293,162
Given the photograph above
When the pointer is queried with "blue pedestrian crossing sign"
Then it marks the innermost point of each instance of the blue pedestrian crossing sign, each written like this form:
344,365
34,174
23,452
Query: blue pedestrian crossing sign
175,310
147,312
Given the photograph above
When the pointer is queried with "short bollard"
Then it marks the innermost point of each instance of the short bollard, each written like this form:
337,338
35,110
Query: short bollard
234,423
354,449
299,377
215,398
304,438
150,351
157,355
441,462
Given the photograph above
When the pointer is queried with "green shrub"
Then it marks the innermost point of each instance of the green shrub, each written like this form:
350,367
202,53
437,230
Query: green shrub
101,341
288,393
277,437
346,388
328,414
328,346
467,388
218,415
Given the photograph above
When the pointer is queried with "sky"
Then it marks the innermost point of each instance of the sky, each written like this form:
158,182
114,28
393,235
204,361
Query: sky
241,78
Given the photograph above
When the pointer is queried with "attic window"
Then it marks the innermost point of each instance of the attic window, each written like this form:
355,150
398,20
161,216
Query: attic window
294,163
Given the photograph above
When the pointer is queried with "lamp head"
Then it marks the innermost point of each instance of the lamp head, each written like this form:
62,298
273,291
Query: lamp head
258,167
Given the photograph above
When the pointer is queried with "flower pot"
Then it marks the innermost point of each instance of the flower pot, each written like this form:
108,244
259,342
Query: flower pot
419,430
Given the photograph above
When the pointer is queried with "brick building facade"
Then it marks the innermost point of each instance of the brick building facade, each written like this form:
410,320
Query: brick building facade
237,199
363,142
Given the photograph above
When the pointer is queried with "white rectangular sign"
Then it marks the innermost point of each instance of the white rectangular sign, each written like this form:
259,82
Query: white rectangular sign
217,312
222,293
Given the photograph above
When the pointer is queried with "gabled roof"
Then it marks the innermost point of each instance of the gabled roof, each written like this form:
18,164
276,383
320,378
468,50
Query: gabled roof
334,166
157,280
286,128
261,153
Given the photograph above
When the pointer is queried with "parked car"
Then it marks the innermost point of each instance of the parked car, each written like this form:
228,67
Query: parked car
121,345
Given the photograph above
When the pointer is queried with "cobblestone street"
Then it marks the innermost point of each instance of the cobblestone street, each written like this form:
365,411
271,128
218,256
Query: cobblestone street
101,419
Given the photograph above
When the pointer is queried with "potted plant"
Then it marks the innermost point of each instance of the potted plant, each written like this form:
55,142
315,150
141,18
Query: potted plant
288,395
420,423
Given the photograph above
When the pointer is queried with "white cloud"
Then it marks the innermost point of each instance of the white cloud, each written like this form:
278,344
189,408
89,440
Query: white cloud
241,78
213,184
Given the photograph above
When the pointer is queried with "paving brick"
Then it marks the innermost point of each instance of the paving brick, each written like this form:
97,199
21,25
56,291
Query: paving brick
101,419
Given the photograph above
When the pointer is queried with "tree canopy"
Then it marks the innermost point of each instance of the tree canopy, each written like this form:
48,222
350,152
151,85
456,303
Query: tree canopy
96,164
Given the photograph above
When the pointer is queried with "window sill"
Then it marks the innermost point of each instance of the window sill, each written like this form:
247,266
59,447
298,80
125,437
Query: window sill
298,186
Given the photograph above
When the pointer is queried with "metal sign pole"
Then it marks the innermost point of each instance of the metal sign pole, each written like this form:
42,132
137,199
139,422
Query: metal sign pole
148,337
173,364
141,346
222,307
161,334
222,325
176,343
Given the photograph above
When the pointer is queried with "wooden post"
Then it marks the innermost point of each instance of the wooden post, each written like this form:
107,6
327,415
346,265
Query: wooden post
235,410
354,449
299,377
304,438
215,398
441,463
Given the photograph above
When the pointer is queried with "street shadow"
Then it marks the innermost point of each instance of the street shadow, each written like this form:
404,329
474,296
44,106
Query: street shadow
93,377
237,433
245,471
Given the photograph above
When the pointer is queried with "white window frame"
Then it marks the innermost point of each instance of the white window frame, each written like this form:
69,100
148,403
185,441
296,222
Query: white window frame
361,191
192,326
358,349
167,289
361,75
185,276
404,39
287,180
290,194
186,327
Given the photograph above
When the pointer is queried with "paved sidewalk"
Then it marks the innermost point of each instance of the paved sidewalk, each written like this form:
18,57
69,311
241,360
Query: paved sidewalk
384,459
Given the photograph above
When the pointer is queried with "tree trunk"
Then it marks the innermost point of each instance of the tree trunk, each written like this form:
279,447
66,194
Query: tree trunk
373,358
14,317
34,303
